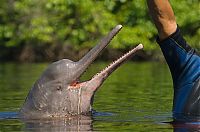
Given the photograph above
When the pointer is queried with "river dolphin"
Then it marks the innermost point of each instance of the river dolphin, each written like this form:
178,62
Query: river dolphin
58,93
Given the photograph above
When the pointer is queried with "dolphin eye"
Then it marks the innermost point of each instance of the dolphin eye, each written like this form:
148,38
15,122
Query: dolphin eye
59,88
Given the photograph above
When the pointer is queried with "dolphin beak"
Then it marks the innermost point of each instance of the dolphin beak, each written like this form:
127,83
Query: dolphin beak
100,77
84,62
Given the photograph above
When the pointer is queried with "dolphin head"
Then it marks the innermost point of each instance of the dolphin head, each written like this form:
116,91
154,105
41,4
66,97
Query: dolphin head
58,92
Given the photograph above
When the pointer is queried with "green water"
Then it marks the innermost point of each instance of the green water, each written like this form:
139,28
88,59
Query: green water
136,97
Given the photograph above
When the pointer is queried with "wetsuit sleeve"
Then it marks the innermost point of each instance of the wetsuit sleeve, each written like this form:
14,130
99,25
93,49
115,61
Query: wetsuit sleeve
184,65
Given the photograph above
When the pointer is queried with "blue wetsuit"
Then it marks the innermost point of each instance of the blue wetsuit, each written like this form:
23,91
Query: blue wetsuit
184,64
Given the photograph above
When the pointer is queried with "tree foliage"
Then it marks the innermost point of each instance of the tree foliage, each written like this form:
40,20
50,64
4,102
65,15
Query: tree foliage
80,23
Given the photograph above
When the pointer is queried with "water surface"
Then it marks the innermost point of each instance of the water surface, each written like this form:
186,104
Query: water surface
136,97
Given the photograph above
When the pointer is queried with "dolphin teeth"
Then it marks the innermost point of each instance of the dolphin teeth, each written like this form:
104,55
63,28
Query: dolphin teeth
132,51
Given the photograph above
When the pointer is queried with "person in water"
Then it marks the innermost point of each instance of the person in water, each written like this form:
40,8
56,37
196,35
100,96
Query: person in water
183,61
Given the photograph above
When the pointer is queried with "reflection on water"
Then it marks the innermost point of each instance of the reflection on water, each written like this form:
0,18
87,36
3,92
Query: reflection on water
80,123
137,97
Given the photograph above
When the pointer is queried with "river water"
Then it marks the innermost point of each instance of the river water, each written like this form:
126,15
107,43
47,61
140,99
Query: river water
136,97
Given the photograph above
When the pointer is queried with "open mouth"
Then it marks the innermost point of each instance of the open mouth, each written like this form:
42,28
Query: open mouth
103,74
115,64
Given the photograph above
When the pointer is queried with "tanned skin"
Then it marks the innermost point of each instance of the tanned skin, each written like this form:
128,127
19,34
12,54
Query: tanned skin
163,17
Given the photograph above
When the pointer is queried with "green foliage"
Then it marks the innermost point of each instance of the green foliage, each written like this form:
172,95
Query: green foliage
82,23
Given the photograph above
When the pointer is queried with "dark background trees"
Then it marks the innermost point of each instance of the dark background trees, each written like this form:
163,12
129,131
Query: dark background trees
41,30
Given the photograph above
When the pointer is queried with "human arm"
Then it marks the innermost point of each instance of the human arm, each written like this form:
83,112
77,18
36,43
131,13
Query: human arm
183,61
163,17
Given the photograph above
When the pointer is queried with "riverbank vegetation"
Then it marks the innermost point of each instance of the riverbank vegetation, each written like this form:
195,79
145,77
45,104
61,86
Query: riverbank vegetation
48,30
